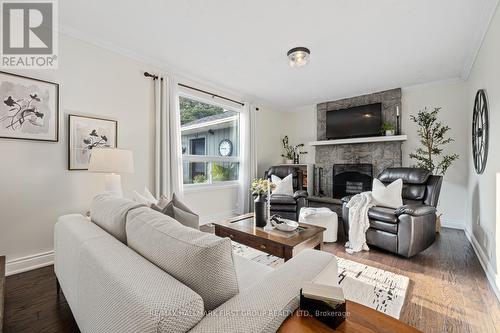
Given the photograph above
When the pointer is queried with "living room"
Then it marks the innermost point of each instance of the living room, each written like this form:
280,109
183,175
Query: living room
342,151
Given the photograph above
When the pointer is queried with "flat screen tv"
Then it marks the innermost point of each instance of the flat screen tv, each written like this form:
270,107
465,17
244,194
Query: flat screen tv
355,122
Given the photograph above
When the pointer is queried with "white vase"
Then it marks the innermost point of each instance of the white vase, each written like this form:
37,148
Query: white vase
288,161
389,132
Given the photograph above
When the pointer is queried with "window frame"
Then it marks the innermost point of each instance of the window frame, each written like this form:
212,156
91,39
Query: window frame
209,158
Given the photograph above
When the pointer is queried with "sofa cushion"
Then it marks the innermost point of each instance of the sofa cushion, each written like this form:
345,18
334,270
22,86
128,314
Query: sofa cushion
249,272
179,211
408,175
110,213
383,214
202,261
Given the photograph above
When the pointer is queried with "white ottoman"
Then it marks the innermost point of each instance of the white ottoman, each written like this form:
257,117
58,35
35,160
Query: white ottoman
322,217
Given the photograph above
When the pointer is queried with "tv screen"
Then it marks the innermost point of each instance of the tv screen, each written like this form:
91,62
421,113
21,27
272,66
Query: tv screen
354,122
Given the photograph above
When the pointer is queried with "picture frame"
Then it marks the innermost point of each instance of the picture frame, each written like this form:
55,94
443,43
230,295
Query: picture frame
29,108
86,133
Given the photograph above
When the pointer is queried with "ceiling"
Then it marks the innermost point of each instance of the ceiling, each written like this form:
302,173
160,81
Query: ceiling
357,46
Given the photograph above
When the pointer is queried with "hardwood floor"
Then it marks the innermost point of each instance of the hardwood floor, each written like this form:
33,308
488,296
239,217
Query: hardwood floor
448,290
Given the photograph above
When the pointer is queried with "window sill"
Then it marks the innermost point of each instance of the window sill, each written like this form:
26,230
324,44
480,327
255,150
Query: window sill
189,188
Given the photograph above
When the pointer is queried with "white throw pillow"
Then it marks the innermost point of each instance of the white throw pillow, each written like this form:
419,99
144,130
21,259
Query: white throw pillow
388,196
145,198
283,186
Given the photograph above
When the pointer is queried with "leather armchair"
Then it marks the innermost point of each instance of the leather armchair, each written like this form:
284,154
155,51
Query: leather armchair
288,206
411,228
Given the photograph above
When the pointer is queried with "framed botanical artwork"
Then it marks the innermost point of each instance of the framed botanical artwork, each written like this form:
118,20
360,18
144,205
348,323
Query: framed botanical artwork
29,108
85,134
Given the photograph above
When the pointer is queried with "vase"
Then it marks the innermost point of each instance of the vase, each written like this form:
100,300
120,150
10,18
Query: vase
389,132
260,210
287,161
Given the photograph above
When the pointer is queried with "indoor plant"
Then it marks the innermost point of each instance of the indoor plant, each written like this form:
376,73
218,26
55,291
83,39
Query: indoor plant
433,138
260,189
291,153
387,129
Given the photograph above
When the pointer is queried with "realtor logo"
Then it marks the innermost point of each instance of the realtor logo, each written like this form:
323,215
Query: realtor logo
29,38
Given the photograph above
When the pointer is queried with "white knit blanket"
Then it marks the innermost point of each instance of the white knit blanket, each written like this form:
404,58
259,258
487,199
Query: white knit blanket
358,221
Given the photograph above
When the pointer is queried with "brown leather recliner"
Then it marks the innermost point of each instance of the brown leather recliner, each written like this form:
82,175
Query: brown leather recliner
288,206
410,229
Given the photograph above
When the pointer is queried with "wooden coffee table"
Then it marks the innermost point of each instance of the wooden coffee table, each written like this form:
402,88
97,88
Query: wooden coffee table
281,244
360,319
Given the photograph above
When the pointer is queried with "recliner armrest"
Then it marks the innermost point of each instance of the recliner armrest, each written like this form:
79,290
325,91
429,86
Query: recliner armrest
300,194
415,210
347,198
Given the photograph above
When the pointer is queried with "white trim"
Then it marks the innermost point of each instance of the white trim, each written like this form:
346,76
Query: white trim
487,14
217,217
29,263
189,188
210,123
360,140
492,277
210,158
453,224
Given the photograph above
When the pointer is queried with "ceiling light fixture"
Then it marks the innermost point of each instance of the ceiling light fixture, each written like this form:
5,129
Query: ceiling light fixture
298,56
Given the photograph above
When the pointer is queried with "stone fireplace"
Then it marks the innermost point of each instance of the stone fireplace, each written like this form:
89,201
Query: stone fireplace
349,179
379,155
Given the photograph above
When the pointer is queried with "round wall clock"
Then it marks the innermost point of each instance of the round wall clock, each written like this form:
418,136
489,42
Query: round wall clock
225,147
480,131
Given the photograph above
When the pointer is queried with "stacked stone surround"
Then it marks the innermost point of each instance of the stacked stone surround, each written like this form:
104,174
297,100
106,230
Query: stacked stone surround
381,154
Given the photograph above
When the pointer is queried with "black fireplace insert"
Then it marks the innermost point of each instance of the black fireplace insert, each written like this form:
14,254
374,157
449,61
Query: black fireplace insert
349,179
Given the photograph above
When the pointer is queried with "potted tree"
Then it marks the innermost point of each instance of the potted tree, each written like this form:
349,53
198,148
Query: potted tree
433,138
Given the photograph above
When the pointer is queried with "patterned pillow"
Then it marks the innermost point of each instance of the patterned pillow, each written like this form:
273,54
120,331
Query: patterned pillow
202,261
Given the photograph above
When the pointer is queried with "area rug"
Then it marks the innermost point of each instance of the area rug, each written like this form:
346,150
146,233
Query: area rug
373,287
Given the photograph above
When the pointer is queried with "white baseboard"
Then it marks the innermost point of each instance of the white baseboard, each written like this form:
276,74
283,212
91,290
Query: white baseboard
453,224
29,263
492,277
215,217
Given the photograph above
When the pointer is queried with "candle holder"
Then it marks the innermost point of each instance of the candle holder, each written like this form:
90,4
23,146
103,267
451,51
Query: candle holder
268,226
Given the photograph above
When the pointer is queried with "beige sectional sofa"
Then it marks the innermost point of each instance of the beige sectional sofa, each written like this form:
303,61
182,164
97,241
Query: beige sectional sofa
132,269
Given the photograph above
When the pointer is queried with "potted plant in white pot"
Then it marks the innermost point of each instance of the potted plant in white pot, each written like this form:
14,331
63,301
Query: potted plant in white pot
291,153
387,129
433,138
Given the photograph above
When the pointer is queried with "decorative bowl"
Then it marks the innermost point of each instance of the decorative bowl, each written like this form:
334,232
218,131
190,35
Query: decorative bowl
286,225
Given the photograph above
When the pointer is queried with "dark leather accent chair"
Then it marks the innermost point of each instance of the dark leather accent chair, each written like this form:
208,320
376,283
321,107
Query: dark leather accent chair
409,229
288,206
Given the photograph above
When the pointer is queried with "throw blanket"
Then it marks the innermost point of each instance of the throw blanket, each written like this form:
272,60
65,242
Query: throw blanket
358,221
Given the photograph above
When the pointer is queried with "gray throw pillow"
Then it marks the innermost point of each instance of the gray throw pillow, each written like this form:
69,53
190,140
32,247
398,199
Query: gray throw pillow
178,210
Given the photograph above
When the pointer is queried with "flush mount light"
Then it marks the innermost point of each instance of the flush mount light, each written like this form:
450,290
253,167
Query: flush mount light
298,56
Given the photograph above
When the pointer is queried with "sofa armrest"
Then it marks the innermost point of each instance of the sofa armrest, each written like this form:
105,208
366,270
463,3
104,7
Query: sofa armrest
300,194
415,210
346,199
263,307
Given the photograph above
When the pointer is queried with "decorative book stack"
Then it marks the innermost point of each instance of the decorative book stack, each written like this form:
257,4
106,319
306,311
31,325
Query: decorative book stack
325,303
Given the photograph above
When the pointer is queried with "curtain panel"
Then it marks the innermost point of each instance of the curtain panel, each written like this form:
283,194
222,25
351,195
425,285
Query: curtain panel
168,151
248,165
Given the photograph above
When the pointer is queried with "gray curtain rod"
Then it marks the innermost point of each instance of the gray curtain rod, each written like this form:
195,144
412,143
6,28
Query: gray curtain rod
155,77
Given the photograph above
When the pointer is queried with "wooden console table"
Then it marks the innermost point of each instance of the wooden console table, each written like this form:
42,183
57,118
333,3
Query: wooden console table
2,289
281,244
361,319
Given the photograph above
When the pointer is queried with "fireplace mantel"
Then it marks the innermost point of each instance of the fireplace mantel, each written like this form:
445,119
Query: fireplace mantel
359,140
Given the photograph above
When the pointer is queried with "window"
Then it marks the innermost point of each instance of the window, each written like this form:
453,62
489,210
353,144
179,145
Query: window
210,136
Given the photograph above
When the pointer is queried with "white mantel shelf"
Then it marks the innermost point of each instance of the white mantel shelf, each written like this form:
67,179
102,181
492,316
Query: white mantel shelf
360,140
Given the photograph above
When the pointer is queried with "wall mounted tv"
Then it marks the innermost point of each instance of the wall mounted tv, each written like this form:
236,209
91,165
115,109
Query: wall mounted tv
355,122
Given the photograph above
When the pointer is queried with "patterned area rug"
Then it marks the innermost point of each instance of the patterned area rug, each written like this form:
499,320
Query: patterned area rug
376,288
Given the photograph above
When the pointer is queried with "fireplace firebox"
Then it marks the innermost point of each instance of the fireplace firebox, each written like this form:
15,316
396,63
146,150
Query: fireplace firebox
349,179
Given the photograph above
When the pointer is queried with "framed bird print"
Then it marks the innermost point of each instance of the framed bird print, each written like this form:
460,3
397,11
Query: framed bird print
86,134
29,108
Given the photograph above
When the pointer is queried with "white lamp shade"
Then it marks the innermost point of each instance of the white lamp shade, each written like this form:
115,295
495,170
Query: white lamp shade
111,160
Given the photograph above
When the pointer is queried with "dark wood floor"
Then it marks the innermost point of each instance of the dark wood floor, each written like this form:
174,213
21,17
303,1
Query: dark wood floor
448,291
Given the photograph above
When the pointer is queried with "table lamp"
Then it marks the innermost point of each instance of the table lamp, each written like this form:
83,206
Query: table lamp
113,162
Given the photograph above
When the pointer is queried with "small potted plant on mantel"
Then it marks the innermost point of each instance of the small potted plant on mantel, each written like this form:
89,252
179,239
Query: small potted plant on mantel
387,129
291,154
433,138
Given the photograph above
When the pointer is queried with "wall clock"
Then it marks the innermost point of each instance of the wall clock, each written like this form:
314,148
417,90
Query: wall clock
225,147
480,131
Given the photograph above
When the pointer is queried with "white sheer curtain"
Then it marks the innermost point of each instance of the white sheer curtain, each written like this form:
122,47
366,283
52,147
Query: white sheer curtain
168,151
248,164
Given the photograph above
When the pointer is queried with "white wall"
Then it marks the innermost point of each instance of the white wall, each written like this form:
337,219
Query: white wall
36,186
455,112
483,223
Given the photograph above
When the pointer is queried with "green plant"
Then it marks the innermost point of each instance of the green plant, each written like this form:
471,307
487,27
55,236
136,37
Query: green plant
433,138
199,179
387,126
290,151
